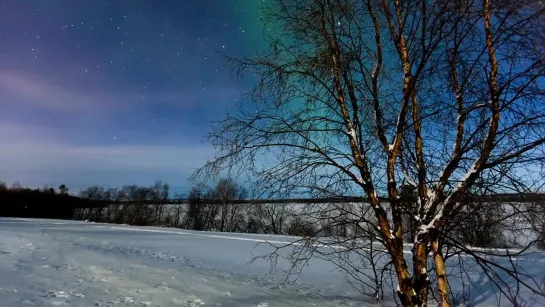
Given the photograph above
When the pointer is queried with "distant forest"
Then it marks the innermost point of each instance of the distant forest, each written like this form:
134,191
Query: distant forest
225,207
50,202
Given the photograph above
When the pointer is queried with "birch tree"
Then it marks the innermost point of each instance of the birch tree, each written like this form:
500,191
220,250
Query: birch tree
364,96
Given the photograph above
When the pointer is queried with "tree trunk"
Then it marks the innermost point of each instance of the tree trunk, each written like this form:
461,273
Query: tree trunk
442,285
420,272
405,290
223,213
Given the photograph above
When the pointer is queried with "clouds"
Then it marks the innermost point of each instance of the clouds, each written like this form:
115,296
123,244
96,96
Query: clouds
17,87
24,155
27,89
36,159
104,93
96,113
54,133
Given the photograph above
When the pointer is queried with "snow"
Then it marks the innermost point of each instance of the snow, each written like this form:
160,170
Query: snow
469,173
431,195
54,263
352,132
69,263
392,234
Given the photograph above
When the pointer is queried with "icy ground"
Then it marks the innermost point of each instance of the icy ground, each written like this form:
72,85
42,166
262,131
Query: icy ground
71,263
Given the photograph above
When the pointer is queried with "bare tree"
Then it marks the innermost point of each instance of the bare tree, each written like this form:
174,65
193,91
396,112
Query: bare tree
197,217
159,193
364,95
272,217
136,212
537,222
227,192
96,193
174,213
63,189
112,211
16,186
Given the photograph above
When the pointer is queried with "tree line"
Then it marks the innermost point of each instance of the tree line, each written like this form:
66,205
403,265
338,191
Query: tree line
225,207
47,202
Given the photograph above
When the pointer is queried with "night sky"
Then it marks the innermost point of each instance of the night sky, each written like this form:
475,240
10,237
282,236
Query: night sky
116,92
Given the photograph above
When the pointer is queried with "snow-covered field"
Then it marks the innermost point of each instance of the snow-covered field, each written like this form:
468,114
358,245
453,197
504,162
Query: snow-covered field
70,263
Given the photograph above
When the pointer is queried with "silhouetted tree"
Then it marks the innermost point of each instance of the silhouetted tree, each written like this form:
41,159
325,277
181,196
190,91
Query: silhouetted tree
16,186
272,217
19,201
159,193
227,192
197,217
63,189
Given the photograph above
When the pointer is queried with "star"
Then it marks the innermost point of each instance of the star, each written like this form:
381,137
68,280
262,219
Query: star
107,65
